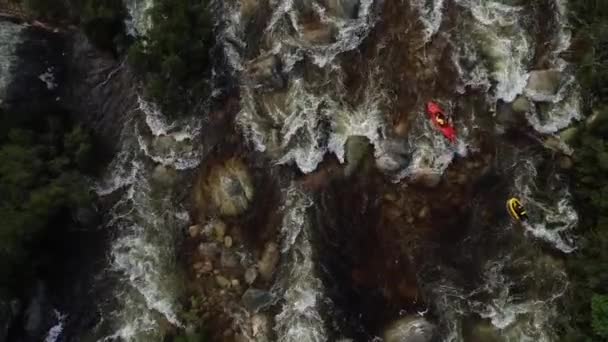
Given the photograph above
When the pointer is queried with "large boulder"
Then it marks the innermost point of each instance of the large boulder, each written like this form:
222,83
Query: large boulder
543,85
569,135
410,329
357,149
521,104
227,189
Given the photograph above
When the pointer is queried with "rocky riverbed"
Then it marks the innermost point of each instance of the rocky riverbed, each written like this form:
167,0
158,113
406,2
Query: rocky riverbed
311,200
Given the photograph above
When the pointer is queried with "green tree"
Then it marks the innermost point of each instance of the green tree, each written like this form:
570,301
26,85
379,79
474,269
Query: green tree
599,311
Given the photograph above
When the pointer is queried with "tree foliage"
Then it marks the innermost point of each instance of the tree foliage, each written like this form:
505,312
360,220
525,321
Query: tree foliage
173,55
588,267
41,163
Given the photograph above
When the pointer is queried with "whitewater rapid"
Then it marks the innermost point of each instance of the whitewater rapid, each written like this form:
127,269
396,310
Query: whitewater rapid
296,109
147,220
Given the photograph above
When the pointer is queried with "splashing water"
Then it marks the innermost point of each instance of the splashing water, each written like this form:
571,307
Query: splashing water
298,285
55,332
147,221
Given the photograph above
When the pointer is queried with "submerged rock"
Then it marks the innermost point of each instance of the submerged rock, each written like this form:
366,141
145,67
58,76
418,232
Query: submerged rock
521,104
227,190
410,329
426,177
255,300
566,163
250,275
569,135
357,149
194,230
343,8
163,175
269,260
543,84
484,332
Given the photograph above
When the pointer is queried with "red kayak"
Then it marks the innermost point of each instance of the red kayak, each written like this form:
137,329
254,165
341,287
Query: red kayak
441,121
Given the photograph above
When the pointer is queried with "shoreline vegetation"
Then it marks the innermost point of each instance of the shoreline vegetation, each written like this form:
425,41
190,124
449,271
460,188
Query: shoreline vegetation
587,300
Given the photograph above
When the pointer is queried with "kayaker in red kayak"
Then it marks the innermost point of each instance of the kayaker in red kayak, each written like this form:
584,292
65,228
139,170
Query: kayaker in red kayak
440,120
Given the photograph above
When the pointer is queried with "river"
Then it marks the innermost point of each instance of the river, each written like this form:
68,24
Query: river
420,237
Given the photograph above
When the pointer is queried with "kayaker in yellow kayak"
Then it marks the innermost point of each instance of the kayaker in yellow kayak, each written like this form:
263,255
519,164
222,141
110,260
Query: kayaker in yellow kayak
516,210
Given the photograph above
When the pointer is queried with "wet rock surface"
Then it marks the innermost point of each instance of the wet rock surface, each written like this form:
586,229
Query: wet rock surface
414,329
226,189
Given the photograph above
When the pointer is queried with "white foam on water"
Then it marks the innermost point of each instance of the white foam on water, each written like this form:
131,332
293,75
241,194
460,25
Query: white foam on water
348,33
551,218
516,318
472,73
431,16
55,332
299,288
146,222
502,38
558,114
140,22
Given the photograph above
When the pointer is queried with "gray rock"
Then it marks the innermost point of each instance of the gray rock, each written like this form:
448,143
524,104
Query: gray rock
228,241
255,300
194,230
250,275
163,175
209,249
569,134
543,84
269,260
229,259
222,281
410,329
219,230
356,150
566,163
521,104
229,188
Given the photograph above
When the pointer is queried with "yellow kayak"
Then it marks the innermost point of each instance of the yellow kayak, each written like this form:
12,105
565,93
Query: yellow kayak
516,210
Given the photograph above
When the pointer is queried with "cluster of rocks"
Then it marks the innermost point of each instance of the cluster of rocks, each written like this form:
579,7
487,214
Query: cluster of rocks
229,271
